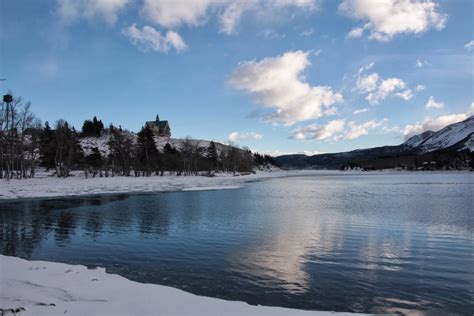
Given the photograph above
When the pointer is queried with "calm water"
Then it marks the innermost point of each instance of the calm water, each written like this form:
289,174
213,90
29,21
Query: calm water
365,243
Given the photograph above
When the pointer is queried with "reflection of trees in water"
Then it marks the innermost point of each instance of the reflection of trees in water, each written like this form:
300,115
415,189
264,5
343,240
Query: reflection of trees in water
153,216
26,225
23,225
94,223
65,227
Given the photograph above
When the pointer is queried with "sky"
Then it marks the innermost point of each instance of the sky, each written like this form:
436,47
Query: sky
278,76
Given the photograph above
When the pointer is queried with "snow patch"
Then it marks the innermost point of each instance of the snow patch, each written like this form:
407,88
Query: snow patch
50,289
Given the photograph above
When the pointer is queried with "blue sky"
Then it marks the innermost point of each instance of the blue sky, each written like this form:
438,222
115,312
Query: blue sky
277,76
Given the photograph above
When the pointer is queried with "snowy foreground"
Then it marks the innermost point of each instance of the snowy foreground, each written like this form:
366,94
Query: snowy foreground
47,288
48,186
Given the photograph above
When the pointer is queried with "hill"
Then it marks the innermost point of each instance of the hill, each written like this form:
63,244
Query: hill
449,148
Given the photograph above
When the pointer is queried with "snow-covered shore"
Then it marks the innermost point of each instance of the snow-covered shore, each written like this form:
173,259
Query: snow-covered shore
78,185
48,288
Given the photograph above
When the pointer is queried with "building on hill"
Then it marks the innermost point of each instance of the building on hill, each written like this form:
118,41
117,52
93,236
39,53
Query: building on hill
159,128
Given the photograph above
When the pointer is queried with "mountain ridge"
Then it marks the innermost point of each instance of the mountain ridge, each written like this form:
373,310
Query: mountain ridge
452,145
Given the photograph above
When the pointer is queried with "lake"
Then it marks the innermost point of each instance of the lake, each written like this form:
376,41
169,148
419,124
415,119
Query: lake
373,242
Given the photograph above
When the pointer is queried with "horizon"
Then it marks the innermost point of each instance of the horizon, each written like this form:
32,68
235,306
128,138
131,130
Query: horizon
294,76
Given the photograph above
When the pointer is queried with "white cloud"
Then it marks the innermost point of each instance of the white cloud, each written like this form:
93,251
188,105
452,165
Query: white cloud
236,136
336,130
433,104
405,95
355,32
378,89
368,83
388,86
171,14
355,131
71,10
277,83
319,132
276,153
149,39
470,45
230,18
359,111
388,18
434,124
419,88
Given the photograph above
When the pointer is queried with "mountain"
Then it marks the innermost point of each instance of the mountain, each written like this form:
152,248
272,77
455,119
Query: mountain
416,140
450,147
448,136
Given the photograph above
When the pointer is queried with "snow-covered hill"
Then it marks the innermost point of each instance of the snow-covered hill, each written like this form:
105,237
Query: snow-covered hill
417,140
459,134
178,143
88,143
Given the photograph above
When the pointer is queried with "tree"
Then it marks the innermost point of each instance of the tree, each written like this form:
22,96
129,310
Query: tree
147,155
68,150
121,151
47,147
15,120
212,156
94,162
171,159
92,128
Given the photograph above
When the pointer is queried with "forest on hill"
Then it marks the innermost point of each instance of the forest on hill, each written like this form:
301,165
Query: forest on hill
26,145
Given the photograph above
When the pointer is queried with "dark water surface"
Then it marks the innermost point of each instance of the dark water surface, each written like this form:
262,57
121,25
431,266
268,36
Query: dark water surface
362,243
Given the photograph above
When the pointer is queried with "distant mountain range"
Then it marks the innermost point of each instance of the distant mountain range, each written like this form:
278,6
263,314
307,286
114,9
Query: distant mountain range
449,148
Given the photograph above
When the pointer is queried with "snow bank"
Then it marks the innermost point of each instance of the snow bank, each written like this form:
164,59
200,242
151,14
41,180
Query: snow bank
212,188
78,185
47,288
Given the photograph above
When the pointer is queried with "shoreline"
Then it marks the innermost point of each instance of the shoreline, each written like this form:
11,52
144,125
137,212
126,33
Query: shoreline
50,288
48,187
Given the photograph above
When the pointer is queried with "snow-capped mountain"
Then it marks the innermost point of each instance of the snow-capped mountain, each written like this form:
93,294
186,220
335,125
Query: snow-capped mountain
448,144
417,140
459,134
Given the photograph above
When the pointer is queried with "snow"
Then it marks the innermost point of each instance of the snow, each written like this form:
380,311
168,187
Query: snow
444,138
87,143
417,140
47,288
469,143
48,186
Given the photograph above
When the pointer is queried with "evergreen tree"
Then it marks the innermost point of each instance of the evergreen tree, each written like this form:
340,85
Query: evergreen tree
121,151
92,128
147,155
94,161
211,155
47,147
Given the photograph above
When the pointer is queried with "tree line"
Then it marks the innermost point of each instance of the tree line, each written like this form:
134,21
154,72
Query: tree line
26,145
